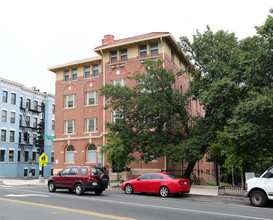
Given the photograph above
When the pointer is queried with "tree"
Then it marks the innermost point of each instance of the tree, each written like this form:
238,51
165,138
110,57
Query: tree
230,79
216,83
247,137
152,118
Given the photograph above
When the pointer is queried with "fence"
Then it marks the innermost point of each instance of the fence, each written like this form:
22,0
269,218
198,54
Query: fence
230,190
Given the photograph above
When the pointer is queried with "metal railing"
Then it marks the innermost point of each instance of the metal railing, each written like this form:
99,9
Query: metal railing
230,190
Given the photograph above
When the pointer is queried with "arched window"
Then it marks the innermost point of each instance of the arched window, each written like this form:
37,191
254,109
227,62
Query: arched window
70,154
91,154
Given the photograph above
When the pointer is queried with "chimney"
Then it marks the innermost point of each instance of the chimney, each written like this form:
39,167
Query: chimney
107,38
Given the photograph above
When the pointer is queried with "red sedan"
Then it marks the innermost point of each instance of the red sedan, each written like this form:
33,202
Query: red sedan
158,182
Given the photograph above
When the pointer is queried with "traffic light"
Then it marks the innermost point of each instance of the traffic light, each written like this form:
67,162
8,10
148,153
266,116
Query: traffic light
26,137
41,127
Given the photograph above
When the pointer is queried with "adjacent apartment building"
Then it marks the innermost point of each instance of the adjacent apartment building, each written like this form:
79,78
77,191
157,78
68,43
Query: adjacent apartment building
20,115
80,117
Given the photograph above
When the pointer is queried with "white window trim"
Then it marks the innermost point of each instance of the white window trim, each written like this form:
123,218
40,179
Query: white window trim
66,101
87,98
87,125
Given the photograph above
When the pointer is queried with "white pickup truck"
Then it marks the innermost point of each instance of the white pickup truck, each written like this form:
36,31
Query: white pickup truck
260,190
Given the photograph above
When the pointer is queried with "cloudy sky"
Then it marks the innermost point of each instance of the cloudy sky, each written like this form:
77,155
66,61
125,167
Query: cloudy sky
38,34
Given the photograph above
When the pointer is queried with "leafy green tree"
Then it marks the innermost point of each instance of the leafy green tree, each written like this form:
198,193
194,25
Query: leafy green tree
216,83
229,76
247,137
152,116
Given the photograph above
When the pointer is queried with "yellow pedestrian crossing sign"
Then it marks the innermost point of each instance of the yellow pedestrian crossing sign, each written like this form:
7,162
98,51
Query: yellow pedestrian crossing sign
43,159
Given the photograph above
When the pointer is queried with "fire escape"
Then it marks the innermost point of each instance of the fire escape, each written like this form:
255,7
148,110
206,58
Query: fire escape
27,140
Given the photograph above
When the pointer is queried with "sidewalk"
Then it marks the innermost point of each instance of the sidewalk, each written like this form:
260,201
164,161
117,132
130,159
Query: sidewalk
195,189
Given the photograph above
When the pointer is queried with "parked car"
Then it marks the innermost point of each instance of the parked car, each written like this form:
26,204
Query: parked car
79,179
162,183
260,190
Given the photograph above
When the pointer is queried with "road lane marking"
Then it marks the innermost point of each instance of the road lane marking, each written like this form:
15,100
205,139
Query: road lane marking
25,195
68,209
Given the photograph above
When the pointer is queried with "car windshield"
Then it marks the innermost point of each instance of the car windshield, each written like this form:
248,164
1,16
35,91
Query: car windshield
97,171
172,176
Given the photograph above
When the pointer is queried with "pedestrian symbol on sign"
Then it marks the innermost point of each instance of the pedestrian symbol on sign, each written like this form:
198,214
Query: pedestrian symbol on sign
43,160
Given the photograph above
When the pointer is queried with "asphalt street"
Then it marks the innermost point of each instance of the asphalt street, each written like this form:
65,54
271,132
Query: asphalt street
35,202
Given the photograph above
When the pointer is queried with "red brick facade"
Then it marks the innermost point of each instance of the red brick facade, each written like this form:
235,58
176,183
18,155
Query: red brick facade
80,139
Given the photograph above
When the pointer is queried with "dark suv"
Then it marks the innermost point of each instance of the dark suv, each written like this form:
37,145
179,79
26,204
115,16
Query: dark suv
79,179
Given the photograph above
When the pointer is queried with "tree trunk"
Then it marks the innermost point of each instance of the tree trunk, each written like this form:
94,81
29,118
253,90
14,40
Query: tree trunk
189,169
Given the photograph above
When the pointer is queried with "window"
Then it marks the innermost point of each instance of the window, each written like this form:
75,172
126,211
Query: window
53,125
34,139
25,172
4,116
35,122
120,82
11,136
2,155
188,102
13,98
91,156
116,116
74,171
172,56
34,154
66,75
26,156
12,117
87,72
145,177
19,156
21,120
95,70
52,157
35,105
20,137
91,98
114,56
123,54
65,172
74,74
5,96
69,127
143,51
83,171
70,154
21,101
28,121
53,109
28,104
157,176
70,101
11,156
154,49
91,125
3,135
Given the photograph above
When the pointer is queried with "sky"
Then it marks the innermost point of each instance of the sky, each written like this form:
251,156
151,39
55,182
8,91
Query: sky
38,34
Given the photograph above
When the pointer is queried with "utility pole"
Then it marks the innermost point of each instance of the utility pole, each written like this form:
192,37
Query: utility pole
40,143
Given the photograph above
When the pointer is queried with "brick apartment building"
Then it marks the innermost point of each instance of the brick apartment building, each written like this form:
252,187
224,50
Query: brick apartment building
80,117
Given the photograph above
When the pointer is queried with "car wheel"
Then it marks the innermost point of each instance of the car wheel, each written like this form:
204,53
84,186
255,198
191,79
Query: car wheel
79,189
129,189
258,198
164,191
51,187
98,192
71,190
